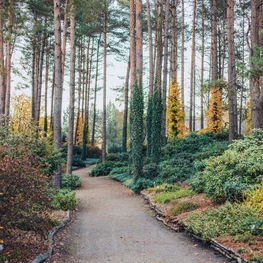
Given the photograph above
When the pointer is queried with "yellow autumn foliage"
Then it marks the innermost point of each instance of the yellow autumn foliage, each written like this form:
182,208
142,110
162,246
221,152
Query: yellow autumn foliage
80,130
175,115
254,198
214,115
248,120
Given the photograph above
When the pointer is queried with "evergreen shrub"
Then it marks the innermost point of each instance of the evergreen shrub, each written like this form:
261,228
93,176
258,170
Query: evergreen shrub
71,181
105,168
64,199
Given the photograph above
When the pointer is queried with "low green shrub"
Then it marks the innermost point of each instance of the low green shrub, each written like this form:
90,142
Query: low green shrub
181,207
229,175
114,148
121,177
78,162
64,199
166,197
163,188
151,171
93,152
140,184
119,170
228,220
105,168
71,181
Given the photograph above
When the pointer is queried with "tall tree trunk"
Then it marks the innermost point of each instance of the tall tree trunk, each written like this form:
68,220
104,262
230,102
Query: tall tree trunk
202,65
95,95
256,89
139,43
58,88
232,97
52,101
64,43
165,71
132,46
72,88
33,102
214,41
192,78
2,72
41,63
104,135
87,96
79,93
151,63
159,44
126,106
243,77
9,57
46,88
182,56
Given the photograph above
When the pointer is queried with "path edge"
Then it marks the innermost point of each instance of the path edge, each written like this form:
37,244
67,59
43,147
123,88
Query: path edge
229,253
42,257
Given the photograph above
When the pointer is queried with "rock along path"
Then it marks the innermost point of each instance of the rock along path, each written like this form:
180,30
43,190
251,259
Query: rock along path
114,225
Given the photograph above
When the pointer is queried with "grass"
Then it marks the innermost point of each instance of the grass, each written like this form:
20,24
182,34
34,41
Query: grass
181,207
166,197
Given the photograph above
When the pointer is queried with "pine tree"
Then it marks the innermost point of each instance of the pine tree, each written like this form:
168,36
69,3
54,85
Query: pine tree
149,118
215,111
137,132
175,113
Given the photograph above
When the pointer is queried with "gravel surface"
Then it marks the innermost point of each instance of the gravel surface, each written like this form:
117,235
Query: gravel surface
114,225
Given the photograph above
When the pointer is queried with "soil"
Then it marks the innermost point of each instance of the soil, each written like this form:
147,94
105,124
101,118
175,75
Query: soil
24,246
254,247
112,224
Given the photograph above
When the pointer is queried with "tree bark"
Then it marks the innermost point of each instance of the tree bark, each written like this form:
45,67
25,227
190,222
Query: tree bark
202,65
165,71
159,44
126,106
104,135
64,43
46,89
9,57
232,97
72,88
214,41
58,88
95,95
151,63
2,72
139,43
256,90
192,77
132,47
182,56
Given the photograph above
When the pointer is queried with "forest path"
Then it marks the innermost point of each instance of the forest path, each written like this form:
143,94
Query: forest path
114,225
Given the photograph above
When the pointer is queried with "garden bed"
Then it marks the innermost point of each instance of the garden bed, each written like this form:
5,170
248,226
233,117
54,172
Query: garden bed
241,251
24,246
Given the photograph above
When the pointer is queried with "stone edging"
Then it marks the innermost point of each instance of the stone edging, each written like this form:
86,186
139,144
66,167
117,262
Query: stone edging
42,257
229,253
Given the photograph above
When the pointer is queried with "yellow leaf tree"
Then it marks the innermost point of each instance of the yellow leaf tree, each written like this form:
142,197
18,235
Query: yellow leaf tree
249,118
214,113
175,114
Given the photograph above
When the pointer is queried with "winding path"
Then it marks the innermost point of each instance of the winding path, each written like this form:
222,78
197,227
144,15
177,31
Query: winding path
114,225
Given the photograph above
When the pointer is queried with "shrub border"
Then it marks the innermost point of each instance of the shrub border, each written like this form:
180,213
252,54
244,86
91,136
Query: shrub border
42,257
174,225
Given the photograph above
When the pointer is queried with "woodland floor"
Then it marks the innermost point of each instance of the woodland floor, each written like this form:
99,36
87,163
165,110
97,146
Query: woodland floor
114,225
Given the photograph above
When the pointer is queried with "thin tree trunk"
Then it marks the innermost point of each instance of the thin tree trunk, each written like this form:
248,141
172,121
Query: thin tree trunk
52,102
214,41
182,56
64,43
95,95
39,93
243,77
165,71
126,106
192,77
256,91
132,47
159,44
104,135
72,88
58,88
79,93
151,63
87,95
202,65
46,88
9,57
83,80
2,82
139,43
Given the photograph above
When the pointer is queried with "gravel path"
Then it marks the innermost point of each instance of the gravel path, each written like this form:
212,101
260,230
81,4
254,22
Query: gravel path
114,225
